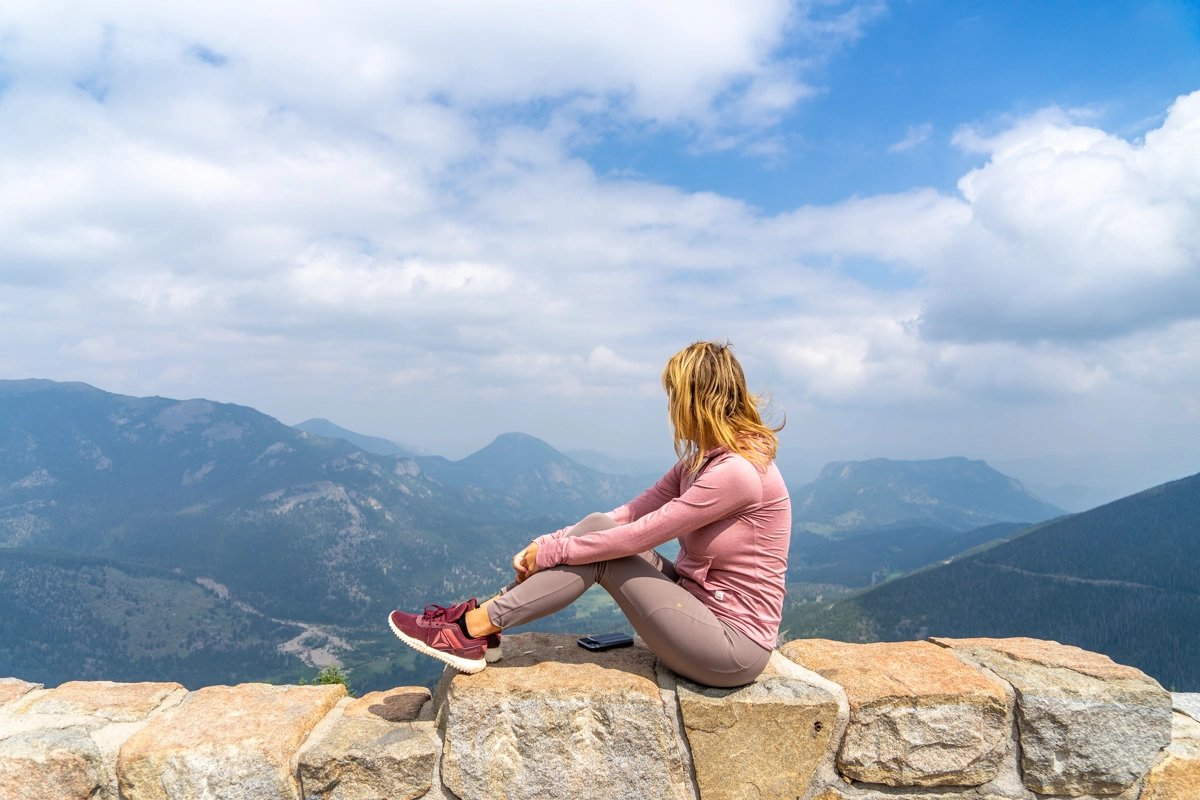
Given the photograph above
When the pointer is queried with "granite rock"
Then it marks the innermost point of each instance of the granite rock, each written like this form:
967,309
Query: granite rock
51,764
761,740
1087,724
231,742
1177,775
918,716
402,704
1187,703
104,700
553,720
13,689
370,759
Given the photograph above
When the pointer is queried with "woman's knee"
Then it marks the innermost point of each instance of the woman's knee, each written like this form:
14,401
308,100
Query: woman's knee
596,521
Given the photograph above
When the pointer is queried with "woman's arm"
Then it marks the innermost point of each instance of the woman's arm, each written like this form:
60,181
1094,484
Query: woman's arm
663,491
729,485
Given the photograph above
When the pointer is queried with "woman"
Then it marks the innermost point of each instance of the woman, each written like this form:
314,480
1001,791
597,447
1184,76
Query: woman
713,615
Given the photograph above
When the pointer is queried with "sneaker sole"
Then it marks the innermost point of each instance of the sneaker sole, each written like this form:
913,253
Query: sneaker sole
467,665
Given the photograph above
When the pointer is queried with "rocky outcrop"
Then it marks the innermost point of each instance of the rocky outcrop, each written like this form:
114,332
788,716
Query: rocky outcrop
1187,703
918,716
762,740
1088,725
101,700
553,720
975,719
370,759
63,742
1177,775
11,689
234,742
51,762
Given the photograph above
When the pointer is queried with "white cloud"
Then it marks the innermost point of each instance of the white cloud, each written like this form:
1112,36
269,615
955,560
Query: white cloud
1074,233
665,61
916,135
348,218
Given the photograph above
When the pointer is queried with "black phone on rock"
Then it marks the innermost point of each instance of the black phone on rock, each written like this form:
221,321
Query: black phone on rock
605,641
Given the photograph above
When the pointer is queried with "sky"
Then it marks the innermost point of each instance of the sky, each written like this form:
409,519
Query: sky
929,227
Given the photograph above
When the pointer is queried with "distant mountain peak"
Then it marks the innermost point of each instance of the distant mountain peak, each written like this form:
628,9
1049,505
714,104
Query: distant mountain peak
954,492
371,444
515,450
12,388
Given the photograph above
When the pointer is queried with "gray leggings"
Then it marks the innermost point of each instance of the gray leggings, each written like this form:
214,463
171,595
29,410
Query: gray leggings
680,629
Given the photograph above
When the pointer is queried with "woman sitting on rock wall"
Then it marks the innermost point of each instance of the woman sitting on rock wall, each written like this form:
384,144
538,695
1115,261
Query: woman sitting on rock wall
713,615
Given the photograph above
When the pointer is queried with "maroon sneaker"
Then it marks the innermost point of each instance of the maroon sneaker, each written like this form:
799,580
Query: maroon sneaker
436,633
493,648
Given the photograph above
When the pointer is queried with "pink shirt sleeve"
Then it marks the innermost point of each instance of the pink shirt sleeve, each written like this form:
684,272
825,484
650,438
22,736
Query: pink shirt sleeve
728,485
658,495
665,489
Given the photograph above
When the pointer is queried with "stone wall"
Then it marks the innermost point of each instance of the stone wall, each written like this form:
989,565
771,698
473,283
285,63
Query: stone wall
989,719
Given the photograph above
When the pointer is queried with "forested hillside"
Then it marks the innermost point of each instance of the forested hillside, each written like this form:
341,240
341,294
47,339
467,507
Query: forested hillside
293,525
1121,579
66,617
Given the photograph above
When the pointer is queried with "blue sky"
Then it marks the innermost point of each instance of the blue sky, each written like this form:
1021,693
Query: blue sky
929,67
930,228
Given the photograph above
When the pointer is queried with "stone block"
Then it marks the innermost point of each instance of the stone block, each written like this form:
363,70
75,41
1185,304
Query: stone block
51,764
228,742
858,792
13,689
553,720
761,740
1187,703
1087,725
1177,775
402,704
918,716
370,759
114,702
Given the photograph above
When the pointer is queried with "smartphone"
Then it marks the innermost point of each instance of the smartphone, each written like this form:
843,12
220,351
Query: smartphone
605,641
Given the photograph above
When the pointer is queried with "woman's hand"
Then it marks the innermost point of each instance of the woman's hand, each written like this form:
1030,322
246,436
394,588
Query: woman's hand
525,562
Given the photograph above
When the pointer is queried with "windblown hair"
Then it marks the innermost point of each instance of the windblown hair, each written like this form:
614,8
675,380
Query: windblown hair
710,406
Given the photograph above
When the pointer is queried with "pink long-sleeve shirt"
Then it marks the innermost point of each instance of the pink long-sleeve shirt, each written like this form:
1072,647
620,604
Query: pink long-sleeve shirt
733,524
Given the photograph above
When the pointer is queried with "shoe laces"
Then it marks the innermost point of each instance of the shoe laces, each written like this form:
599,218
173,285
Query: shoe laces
434,612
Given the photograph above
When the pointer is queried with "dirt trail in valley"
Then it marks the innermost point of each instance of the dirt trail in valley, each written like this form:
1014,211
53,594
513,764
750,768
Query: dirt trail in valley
316,645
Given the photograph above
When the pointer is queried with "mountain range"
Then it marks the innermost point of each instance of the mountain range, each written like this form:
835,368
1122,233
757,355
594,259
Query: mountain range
371,444
207,542
851,497
1121,579
283,527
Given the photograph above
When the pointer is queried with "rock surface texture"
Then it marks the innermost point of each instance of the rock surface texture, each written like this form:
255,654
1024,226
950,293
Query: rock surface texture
1177,776
49,764
69,736
1187,703
11,689
370,759
114,702
1087,724
948,719
761,740
918,716
553,720
229,742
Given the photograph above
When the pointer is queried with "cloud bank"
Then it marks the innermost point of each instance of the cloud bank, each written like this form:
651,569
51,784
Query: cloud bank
377,212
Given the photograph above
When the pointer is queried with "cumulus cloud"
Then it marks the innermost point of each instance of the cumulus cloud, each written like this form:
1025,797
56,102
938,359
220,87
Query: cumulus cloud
377,212
1074,233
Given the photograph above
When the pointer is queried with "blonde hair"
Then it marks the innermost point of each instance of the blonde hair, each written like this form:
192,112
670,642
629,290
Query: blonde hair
710,406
